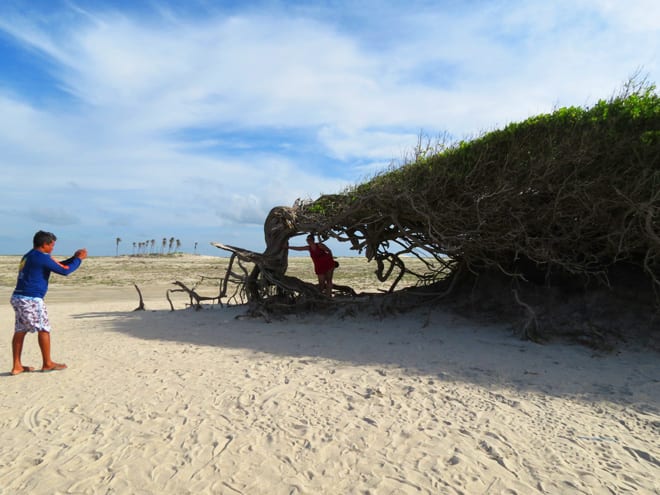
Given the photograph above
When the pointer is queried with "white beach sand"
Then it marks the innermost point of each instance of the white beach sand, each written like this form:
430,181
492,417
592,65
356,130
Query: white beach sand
199,402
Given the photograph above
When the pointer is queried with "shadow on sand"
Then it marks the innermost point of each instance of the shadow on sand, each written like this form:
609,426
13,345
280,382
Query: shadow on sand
435,344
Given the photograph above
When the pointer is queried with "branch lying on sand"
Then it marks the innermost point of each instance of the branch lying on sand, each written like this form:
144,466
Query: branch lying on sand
195,299
141,305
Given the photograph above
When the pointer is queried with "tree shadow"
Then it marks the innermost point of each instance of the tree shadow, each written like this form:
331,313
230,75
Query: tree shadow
434,345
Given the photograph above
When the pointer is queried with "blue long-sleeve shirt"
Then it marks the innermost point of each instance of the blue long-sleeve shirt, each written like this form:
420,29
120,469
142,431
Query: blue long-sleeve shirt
34,271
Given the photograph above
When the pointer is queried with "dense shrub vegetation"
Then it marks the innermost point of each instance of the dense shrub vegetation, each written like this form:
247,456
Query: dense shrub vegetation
567,201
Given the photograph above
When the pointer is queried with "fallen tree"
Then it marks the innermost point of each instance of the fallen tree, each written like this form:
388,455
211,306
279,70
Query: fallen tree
557,214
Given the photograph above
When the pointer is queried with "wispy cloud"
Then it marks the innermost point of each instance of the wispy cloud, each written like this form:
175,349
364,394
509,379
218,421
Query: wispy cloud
180,114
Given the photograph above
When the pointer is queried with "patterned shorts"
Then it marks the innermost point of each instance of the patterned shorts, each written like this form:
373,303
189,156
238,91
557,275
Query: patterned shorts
31,314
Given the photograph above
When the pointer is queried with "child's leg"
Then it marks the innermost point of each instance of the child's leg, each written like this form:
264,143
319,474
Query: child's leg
325,283
328,282
17,350
44,345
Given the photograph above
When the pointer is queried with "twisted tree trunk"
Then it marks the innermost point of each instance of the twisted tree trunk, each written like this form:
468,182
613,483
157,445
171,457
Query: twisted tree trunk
268,276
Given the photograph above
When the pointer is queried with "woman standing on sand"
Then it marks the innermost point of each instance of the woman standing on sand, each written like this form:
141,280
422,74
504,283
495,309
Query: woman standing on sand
324,263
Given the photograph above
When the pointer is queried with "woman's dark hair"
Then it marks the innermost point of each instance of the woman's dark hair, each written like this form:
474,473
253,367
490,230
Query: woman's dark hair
42,237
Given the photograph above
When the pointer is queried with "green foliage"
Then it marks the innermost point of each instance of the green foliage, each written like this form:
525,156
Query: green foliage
317,208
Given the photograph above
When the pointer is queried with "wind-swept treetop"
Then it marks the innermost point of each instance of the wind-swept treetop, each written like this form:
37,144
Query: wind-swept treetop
567,193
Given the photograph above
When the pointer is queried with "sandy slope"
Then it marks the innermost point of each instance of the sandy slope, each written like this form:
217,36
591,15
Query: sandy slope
201,402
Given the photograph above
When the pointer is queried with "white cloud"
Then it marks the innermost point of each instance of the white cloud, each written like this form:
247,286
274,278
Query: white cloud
176,118
638,16
52,216
366,144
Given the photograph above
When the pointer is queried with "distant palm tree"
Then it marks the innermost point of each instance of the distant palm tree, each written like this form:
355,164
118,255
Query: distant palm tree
195,250
134,245
118,240
178,245
162,249
153,244
170,246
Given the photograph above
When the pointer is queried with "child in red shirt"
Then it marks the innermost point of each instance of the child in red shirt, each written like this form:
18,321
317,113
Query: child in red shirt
324,263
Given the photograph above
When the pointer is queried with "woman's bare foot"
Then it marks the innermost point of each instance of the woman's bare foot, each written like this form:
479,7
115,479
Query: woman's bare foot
54,367
22,369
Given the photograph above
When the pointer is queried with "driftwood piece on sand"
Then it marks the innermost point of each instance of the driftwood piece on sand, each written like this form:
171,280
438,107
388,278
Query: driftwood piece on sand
141,305
195,298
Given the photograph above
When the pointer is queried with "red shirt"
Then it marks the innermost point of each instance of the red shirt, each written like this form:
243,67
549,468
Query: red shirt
323,261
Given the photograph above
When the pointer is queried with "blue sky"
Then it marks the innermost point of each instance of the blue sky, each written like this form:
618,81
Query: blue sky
192,119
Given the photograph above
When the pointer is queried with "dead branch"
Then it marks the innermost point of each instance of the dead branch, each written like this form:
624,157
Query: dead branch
169,300
195,298
141,305
528,331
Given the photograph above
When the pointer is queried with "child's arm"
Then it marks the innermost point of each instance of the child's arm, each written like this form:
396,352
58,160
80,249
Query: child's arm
80,253
69,265
65,267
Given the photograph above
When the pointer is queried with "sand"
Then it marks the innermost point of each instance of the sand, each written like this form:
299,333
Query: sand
203,402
